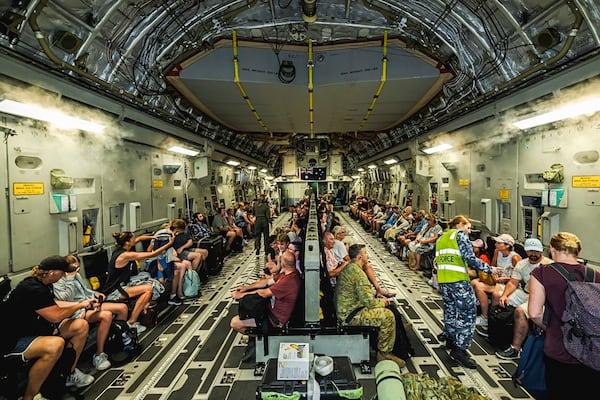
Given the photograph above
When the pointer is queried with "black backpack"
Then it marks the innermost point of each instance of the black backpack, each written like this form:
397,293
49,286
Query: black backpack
122,343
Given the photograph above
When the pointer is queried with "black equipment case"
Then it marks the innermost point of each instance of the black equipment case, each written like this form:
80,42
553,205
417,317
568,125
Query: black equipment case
214,245
340,384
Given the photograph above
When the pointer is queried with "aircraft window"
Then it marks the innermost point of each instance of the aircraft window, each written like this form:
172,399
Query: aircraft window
28,162
132,185
115,215
587,157
505,210
488,182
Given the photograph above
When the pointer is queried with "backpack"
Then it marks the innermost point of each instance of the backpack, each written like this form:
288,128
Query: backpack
531,371
191,283
581,318
122,342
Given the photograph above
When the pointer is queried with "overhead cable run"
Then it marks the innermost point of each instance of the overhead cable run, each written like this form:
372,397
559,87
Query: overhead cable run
311,121
239,84
381,83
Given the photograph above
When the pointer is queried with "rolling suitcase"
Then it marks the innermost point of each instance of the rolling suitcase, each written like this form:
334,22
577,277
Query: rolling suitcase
214,245
340,384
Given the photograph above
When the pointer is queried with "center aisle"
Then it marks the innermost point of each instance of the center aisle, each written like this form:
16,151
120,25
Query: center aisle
193,354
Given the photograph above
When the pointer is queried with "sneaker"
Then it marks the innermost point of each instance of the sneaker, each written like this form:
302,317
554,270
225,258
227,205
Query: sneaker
389,356
482,330
175,301
244,242
250,352
100,361
509,354
79,379
38,396
138,327
462,358
481,321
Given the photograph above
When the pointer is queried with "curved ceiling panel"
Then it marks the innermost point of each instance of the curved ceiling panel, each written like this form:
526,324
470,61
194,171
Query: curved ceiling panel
381,71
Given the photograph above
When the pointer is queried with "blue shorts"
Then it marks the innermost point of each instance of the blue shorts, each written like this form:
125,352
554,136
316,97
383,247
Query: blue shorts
23,343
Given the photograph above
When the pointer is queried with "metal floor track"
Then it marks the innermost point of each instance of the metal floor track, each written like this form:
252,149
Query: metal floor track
193,354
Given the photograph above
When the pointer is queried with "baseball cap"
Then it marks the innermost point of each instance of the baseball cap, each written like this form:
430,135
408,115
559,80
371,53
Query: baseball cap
56,262
505,238
533,244
478,243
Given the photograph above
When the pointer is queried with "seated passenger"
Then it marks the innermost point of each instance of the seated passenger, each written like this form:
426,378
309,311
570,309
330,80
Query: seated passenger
341,253
183,245
353,291
121,267
221,225
409,234
170,268
283,291
425,240
71,289
333,266
516,294
40,329
199,228
505,259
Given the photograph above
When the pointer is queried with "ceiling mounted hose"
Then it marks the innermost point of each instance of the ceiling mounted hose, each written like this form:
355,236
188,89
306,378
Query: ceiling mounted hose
384,61
236,74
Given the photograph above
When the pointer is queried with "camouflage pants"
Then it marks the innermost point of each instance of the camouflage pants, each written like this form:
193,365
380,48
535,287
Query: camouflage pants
382,318
460,311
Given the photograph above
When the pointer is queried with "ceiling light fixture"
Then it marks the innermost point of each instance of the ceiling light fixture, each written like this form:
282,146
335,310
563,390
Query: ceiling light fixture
251,167
437,149
355,177
54,117
572,110
183,150
233,163
390,161
372,166
360,169
264,170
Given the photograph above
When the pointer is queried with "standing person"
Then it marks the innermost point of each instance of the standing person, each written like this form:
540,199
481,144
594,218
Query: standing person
353,291
71,289
40,329
121,267
548,286
453,252
262,215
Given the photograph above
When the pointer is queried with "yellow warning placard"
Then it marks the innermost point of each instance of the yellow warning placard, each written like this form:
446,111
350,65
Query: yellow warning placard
504,194
28,188
586,181
157,183
463,182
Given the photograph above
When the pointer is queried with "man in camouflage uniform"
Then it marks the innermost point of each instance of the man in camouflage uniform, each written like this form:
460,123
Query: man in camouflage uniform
353,290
